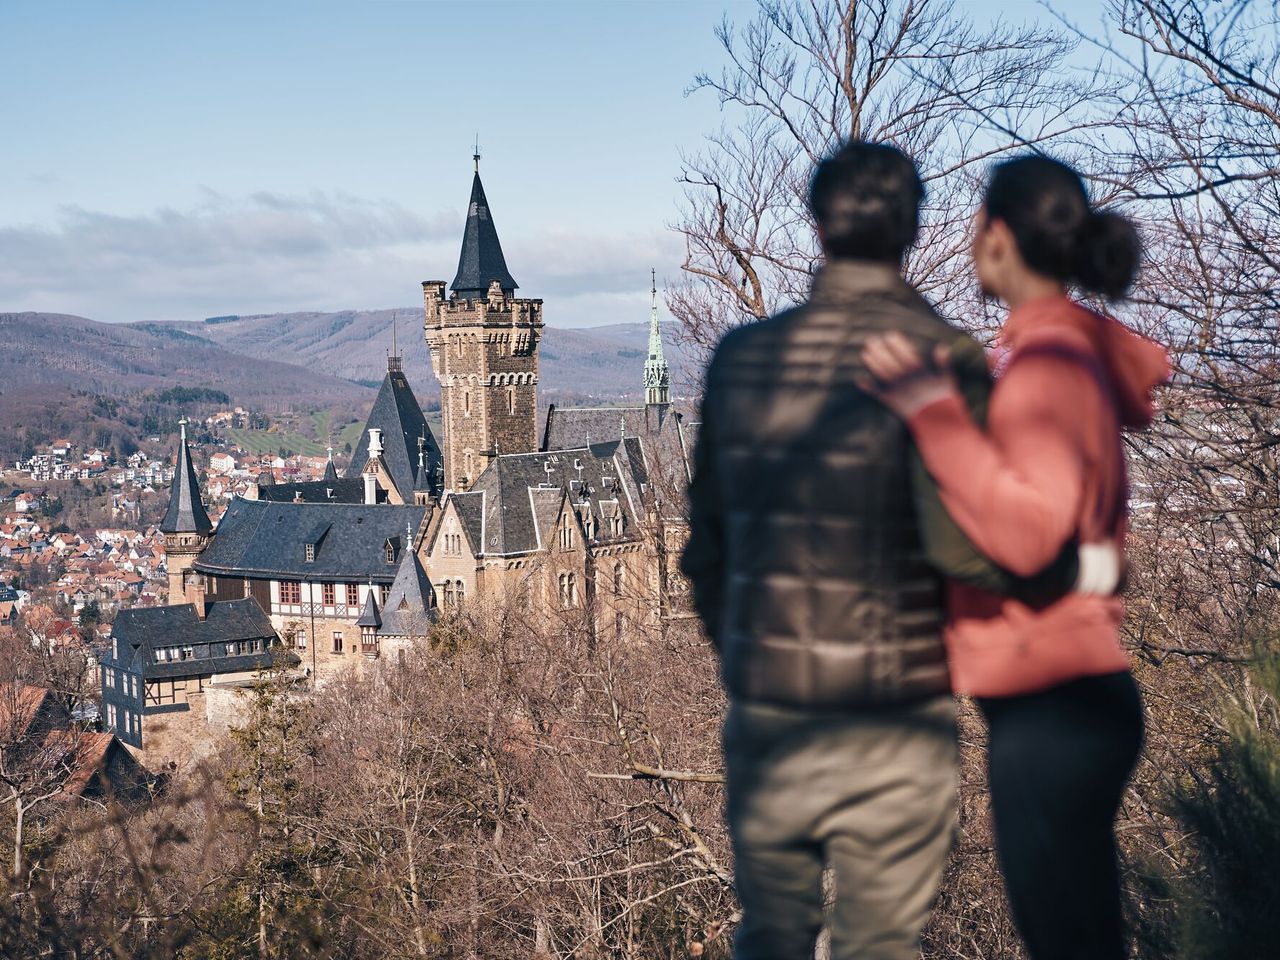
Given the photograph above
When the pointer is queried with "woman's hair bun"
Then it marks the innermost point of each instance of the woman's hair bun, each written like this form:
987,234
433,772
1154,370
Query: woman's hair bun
1058,232
1107,253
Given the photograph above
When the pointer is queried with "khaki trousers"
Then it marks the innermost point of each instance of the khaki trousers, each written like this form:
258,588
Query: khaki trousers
869,795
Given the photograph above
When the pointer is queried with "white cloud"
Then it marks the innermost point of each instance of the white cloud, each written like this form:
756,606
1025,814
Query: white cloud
273,252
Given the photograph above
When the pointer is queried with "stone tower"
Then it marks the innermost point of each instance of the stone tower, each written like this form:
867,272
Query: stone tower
484,351
186,525
657,375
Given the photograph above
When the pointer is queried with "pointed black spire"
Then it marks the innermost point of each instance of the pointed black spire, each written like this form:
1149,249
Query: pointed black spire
186,514
369,614
481,261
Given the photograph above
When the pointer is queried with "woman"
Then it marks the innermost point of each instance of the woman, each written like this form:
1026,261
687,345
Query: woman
1052,679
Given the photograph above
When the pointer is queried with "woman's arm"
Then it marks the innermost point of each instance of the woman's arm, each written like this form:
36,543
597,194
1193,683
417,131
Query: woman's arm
1014,491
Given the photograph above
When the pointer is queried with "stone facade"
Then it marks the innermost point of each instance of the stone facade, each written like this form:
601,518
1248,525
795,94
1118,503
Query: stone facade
484,352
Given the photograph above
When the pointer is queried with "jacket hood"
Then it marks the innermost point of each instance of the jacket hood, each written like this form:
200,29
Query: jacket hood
1134,364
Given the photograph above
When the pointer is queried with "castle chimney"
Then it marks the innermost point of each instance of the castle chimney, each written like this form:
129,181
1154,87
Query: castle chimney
196,594
370,487
375,443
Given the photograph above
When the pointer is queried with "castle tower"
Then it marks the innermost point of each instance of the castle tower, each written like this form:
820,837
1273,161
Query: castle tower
657,375
186,525
484,351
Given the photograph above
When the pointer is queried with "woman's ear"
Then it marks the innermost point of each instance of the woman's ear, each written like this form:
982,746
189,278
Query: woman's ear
1001,246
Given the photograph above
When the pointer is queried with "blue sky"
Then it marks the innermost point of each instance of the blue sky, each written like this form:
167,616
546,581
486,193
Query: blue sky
171,161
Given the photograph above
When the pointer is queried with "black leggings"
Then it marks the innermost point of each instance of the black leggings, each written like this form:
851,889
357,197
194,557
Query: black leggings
1058,763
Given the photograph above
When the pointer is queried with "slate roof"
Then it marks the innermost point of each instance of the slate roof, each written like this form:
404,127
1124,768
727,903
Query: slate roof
315,491
186,514
481,260
369,613
258,538
408,605
470,508
668,438
567,428
515,502
397,414
142,630
330,472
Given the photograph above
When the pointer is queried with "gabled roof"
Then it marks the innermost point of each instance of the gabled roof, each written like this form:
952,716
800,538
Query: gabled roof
141,630
258,538
481,260
408,606
315,491
186,514
20,705
520,489
397,414
570,427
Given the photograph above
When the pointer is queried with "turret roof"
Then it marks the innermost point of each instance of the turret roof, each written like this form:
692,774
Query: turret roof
408,606
186,513
369,614
481,260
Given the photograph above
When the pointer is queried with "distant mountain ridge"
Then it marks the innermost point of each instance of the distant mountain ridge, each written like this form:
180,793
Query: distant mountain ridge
50,350
298,360
603,364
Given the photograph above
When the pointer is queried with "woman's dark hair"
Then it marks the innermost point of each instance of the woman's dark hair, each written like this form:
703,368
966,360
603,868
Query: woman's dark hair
1058,232
866,197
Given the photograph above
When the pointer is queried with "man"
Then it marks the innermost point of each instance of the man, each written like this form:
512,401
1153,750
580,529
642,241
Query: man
808,561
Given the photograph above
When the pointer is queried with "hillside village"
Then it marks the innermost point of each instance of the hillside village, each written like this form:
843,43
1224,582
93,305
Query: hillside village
217,563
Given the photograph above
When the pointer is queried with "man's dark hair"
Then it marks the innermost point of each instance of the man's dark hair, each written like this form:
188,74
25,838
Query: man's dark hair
866,198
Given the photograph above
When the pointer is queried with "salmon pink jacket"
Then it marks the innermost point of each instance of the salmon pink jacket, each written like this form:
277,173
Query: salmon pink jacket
1049,469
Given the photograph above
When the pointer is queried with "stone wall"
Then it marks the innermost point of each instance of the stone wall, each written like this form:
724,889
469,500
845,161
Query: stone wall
485,355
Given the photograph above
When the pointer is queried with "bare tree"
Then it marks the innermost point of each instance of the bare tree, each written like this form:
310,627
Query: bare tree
806,75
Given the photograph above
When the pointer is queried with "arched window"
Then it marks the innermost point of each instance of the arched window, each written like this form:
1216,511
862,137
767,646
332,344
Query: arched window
466,403
573,589
617,579
461,592
511,400
447,588
566,532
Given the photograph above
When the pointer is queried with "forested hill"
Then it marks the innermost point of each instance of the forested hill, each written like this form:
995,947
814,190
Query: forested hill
603,363
50,350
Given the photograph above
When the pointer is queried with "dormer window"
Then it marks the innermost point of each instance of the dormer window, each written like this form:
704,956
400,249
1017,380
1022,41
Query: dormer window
311,553
389,551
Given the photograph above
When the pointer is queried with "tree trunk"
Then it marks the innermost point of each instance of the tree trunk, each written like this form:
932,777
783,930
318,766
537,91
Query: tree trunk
20,812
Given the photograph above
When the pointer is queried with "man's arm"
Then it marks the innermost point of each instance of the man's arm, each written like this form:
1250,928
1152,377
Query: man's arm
952,553
703,558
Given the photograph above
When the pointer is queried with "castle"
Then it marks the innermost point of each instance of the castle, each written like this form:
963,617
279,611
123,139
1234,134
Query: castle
577,519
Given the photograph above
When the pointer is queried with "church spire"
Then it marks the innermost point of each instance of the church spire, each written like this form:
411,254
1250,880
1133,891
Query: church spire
657,375
481,261
186,514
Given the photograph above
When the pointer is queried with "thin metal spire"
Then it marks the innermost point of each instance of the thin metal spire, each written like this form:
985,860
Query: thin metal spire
657,374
